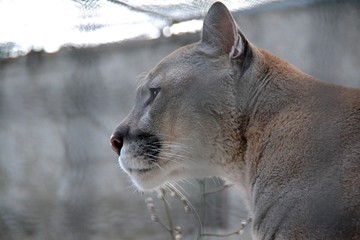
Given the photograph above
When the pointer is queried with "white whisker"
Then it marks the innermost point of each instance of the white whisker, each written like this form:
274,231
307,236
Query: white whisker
184,198
206,133
180,187
181,160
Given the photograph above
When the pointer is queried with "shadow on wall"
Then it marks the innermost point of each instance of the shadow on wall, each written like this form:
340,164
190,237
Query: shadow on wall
59,178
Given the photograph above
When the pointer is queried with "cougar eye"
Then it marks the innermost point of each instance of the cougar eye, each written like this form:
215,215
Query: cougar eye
154,92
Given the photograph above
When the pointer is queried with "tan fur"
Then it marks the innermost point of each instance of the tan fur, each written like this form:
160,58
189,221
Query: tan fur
226,108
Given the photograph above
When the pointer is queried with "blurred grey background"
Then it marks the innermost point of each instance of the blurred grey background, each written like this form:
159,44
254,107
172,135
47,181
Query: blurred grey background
59,178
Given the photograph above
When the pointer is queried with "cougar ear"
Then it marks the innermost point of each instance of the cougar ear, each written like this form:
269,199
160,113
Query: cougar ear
220,32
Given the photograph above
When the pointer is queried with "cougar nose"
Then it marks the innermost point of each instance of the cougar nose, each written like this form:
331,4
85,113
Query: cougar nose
116,142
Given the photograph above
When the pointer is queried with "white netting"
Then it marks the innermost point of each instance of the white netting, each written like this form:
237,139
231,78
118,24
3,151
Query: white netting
49,24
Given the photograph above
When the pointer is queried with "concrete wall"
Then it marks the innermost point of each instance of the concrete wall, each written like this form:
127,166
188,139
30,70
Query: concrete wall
59,178
319,39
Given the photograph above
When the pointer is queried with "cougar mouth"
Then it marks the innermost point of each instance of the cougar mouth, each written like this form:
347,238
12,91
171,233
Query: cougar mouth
140,155
149,161
141,170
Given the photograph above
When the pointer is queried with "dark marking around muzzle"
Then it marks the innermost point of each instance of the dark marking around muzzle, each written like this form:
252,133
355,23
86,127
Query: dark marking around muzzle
147,144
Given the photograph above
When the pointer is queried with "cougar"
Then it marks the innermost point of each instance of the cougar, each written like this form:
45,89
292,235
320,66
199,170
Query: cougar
224,107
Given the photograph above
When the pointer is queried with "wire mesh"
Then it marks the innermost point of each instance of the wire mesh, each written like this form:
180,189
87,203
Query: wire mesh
49,25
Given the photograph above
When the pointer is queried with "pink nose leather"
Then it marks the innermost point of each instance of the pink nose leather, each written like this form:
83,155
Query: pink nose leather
116,143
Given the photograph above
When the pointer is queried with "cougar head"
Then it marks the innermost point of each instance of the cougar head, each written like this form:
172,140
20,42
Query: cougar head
186,121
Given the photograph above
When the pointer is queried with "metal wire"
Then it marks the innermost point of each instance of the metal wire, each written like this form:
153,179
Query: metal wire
94,22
